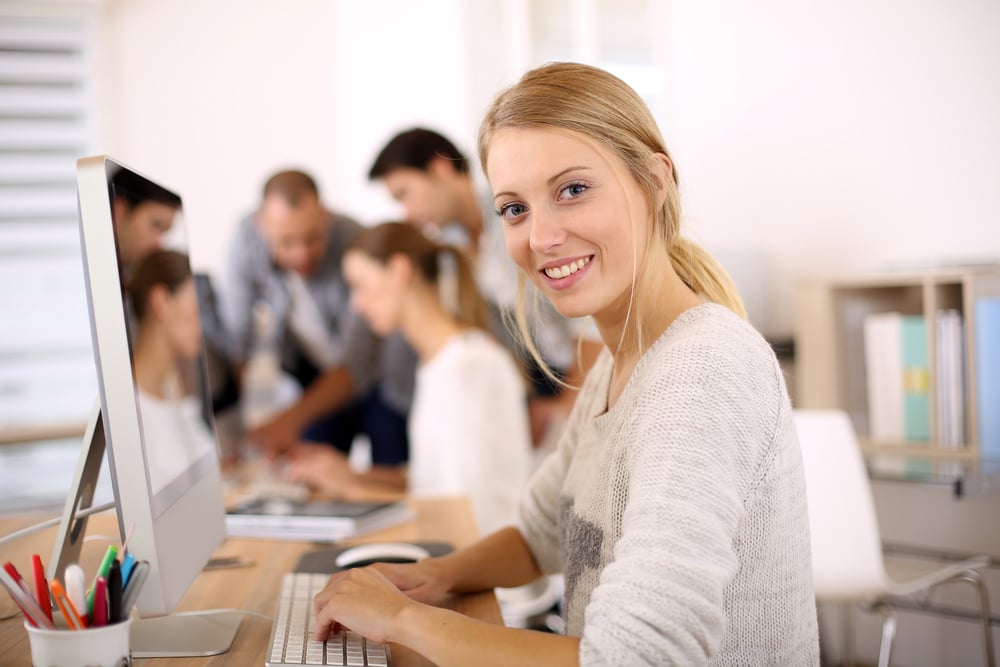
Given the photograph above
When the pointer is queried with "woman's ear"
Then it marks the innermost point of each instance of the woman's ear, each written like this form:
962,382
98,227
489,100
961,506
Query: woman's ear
442,168
159,301
662,171
400,268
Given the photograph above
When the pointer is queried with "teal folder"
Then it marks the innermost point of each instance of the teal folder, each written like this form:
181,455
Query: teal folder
916,380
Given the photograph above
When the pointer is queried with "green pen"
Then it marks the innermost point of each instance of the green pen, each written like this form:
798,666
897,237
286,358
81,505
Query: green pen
110,555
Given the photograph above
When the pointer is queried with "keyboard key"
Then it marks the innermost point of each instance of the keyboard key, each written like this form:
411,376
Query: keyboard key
376,654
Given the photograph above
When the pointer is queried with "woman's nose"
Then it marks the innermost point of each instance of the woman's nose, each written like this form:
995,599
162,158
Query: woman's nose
546,233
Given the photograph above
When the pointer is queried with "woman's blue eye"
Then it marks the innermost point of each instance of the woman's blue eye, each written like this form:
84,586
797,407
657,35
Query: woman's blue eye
511,211
574,190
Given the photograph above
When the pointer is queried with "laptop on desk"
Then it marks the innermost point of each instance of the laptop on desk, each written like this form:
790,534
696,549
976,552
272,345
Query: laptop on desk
279,518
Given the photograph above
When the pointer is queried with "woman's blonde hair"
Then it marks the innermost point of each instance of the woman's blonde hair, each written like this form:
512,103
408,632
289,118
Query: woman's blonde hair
592,103
442,266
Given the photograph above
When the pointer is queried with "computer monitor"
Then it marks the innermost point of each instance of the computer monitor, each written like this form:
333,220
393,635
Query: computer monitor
154,413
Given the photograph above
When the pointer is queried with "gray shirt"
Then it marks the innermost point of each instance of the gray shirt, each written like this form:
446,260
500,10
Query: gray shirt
252,276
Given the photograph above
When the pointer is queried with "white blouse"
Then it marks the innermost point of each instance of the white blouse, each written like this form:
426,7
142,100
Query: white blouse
468,428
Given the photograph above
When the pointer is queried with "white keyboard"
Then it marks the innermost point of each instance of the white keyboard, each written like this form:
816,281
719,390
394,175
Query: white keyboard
291,636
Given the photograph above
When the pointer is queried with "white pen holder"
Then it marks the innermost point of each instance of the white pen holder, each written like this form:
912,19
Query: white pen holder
106,646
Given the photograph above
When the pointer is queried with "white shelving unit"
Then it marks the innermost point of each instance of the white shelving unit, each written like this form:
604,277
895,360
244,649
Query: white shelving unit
830,360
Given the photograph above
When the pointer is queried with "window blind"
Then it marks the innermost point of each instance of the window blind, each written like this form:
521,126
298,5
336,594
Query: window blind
47,374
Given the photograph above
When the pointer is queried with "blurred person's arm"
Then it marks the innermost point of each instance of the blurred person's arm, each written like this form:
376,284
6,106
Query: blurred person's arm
338,385
327,471
329,392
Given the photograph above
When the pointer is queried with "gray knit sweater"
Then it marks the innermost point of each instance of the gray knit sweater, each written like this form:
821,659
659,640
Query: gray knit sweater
679,516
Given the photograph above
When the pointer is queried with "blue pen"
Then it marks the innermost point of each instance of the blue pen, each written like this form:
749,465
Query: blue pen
127,564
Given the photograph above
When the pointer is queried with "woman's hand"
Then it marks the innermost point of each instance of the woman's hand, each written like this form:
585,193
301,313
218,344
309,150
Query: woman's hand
362,600
320,467
422,581
276,436
365,601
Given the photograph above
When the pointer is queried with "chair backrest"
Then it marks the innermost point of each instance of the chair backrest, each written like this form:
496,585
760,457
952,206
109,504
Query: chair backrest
846,547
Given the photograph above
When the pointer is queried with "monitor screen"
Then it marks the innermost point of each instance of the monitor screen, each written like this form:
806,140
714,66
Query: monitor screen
164,336
151,368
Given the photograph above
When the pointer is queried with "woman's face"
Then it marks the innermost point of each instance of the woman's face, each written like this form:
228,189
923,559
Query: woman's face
574,219
375,291
181,321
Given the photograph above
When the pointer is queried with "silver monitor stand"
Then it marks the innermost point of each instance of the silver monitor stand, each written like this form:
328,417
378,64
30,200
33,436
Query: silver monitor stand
193,635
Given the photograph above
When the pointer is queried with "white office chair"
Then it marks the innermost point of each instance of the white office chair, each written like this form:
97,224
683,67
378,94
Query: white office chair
848,564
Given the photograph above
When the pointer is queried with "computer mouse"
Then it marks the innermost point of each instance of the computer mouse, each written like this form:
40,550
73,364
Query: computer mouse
380,552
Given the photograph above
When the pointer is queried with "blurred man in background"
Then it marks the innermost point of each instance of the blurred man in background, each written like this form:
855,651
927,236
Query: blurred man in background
288,256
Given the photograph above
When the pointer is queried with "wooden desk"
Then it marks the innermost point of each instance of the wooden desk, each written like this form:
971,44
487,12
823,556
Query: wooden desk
251,588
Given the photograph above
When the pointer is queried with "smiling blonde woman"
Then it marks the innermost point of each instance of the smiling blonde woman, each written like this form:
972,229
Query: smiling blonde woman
675,502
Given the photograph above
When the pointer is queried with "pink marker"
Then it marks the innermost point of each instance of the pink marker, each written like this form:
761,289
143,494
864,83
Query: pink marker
100,603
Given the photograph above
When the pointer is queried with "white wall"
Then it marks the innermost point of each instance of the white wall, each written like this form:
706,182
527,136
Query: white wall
810,137
209,98
827,136
212,96
395,65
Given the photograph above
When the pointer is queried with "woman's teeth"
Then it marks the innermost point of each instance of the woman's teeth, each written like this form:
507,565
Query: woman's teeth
567,269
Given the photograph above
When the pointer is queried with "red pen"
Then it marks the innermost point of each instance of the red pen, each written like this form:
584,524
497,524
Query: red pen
100,603
18,596
12,571
41,586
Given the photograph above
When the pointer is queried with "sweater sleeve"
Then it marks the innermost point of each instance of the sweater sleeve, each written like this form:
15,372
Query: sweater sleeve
699,424
538,517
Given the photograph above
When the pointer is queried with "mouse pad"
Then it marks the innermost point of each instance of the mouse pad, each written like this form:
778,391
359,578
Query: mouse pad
323,561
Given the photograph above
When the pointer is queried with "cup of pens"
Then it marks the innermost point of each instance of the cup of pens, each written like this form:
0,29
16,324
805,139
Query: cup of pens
71,626
105,646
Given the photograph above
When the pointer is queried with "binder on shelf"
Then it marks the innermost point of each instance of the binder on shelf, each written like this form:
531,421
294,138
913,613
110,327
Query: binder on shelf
883,337
916,379
949,381
898,377
987,330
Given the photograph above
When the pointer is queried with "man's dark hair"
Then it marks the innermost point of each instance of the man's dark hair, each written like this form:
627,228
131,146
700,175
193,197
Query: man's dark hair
134,190
415,149
292,186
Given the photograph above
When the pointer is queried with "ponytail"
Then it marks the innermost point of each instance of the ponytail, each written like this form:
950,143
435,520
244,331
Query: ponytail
704,275
457,289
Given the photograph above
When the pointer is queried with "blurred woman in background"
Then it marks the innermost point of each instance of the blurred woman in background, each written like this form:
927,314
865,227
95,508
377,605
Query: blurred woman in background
468,424
166,349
